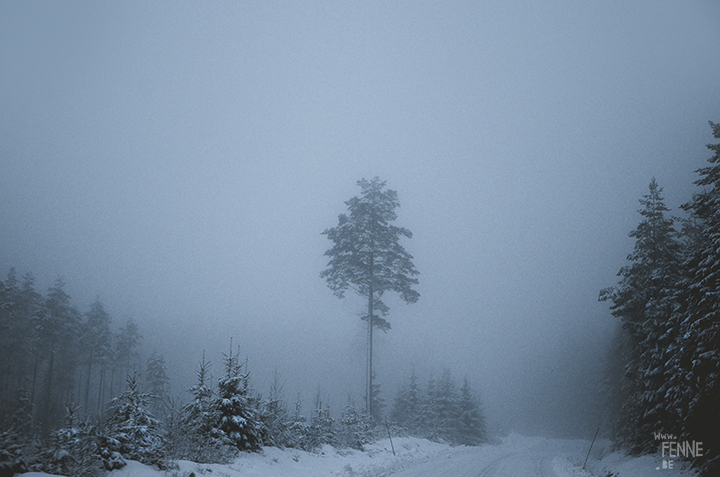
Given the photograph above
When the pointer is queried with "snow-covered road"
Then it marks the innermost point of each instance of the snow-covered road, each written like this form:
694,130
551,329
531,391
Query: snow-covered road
517,456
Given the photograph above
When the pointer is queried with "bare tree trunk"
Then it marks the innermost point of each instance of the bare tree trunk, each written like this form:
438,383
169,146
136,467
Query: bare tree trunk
34,378
112,380
47,405
101,393
70,390
5,385
87,386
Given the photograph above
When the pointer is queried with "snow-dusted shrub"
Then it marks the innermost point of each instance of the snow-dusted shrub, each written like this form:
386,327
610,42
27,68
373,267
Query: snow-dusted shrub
311,435
11,453
297,427
355,427
74,449
21,450
192,434
321,430
275,424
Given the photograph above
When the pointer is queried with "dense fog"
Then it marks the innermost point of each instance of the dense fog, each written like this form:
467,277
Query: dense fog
180,162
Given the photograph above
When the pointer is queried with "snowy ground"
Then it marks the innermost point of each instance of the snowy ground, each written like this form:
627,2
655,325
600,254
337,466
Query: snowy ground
514,456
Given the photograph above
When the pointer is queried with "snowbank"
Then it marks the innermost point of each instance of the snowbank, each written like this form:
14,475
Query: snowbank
375,459
621,465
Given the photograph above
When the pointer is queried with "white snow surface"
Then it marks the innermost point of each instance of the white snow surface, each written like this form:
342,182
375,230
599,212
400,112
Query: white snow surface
514,455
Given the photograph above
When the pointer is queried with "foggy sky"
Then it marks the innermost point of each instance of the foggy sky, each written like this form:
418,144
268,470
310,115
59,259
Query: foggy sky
180,161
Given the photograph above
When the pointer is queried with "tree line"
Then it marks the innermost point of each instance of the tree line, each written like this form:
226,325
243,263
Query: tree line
662,371
74,402
441,411
52,356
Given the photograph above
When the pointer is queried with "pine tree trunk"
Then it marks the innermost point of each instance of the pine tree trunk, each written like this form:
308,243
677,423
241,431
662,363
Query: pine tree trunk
369,379
371,291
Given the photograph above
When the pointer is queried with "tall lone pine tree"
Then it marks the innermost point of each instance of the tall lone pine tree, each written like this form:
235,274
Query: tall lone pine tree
367,257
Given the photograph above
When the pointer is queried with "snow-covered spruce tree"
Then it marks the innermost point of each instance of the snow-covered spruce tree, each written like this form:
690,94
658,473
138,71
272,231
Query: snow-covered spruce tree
700,328
131,431
354,427
174,431
299,429
198,439
15,434
321,429
428,414
19,444
645,301
470,424
11,453
198,412
677,390
446,406
157,381
407,407
367,257
400,407
237,416
274,417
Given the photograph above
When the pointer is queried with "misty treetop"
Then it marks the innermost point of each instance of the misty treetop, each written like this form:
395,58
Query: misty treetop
367,256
